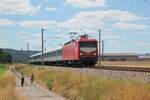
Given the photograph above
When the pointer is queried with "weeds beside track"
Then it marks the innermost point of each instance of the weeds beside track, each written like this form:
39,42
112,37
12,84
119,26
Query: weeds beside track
75,84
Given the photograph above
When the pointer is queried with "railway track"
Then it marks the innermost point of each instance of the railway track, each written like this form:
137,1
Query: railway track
117,68
121,68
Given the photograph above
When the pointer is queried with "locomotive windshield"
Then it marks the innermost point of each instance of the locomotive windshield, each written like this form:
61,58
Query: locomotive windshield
88,44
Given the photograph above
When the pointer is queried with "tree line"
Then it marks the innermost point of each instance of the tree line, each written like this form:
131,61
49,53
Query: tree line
5,57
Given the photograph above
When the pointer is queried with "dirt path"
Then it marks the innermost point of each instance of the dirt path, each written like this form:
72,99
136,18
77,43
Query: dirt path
35,92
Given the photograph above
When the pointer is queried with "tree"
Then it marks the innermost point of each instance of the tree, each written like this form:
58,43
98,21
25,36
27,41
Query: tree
5,57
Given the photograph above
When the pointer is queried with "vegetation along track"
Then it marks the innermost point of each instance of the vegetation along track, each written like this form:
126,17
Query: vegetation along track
120,73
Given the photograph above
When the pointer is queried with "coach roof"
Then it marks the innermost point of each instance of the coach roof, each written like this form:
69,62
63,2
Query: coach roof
52,50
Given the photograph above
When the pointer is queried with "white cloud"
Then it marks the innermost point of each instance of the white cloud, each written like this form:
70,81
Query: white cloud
141,43
86,3
18,7
88,21
51,8
113,43
93,20
111,36
58,36
38,24
129,26
2,43
6,22
34,39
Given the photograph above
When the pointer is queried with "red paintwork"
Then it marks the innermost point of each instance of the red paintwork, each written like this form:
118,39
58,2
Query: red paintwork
71,51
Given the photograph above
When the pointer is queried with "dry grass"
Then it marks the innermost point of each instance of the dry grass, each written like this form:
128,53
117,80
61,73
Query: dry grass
8,79
7,87
75,86
129,92
9,94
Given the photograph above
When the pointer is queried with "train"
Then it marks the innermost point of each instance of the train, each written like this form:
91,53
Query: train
77,52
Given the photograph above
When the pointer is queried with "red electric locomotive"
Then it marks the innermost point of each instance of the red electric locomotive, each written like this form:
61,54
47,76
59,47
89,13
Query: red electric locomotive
83,51
79,52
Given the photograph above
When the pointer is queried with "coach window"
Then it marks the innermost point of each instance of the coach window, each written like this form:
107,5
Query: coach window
46,55
123,59
49,54
56,53
53,54
113,59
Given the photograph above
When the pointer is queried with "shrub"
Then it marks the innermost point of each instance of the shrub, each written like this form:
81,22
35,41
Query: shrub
49,84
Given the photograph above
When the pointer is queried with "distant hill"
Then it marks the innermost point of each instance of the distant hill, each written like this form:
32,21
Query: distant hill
18,55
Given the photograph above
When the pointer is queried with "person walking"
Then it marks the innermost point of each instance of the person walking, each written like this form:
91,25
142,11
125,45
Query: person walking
32,78
22,79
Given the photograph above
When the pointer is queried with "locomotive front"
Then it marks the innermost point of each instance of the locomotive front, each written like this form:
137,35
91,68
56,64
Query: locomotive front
88,51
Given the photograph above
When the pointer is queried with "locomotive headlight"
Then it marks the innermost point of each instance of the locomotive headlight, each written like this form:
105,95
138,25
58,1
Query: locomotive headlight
94,53
81,53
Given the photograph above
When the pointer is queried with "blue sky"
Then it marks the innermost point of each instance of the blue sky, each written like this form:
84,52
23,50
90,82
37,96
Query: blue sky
124,24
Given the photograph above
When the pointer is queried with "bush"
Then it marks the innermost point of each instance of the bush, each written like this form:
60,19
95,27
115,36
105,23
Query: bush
49,84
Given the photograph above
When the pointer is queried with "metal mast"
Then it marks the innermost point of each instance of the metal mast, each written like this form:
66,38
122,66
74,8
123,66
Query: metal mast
42,47
103,47
28,53
99,58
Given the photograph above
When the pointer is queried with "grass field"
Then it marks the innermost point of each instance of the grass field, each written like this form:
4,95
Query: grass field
7,85
2,69
75,86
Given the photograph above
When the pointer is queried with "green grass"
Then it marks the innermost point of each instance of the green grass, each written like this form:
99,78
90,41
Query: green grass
2,69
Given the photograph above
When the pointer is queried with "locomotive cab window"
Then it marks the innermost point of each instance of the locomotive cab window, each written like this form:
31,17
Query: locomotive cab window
88,44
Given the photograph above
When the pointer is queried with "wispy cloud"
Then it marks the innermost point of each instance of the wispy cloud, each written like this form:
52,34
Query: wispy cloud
58,36
6,22
86,3
18,7
51,8
34,39
141,43
111,36
82,20
113,43
129,26
3,43
38,24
